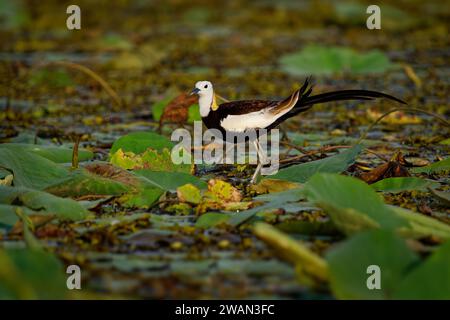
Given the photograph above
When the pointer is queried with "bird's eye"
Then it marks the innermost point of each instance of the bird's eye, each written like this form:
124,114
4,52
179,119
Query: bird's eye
206,86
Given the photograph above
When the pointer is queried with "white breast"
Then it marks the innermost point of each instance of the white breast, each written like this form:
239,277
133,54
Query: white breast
253,120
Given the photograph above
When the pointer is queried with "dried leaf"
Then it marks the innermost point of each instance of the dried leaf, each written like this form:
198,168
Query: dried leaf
177,111
107,170
393,168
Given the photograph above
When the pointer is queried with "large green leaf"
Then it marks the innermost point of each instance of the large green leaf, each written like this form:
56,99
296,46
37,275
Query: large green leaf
334,191
31,274
399,184
31,170
106,179
354,206
316,59
349,261
43,202
334,164
349,220
430,280
55,154
82,182
138,142
419,225
144,197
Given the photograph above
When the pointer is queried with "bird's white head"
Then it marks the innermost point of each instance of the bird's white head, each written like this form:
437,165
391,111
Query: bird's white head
207,99
203,88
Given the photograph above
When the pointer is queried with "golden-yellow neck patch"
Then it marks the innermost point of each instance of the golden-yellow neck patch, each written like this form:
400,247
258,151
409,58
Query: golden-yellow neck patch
214,105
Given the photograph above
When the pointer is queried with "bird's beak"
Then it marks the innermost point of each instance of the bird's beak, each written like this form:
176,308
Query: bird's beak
194,91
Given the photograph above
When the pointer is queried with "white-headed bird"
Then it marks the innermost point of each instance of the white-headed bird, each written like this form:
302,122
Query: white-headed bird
239,116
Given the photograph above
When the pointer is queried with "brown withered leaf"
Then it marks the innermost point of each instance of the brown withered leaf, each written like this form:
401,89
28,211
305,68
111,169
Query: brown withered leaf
177,111
393,168
107,170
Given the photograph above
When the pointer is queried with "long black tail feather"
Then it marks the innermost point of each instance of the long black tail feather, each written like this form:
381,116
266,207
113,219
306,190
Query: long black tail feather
347,95
306,101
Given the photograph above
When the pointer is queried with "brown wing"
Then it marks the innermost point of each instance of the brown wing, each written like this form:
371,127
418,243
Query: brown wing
275,107
245,106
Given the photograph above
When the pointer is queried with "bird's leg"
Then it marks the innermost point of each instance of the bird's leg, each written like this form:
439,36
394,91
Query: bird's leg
261,160
255,175
261,153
